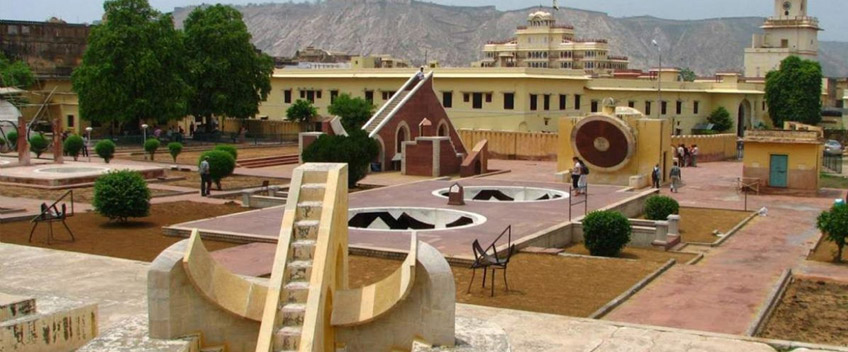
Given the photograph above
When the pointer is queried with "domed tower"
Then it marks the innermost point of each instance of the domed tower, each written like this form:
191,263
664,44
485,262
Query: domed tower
790,31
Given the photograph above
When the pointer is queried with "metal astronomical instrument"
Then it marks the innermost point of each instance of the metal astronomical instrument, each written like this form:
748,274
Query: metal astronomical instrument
604,142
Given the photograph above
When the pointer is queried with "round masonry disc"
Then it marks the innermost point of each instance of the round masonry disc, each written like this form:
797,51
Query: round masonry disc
603,142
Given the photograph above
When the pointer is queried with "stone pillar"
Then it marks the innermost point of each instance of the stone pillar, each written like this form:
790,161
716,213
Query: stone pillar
456,195
23,144
245,199
661,237
57,141
674,225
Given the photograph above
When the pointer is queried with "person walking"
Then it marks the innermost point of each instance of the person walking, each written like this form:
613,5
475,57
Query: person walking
655,176
676,177
576,171
694,154
583,181
205,178
680,154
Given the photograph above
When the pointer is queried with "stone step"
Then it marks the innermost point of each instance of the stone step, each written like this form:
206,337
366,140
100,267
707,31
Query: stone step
314,177
293,314
13,307
298,270
287,338
306,230
309,210
312,192
303,249
296,292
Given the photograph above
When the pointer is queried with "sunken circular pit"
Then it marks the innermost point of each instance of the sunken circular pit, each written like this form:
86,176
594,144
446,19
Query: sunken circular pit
411,219
506,194
64,170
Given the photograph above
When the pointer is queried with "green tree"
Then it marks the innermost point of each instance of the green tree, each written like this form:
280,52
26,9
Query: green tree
221,164
720,118
150,146
793,93
302,111
687,75
120,195
38,144
357,150
15,73
229,76
175,148
132,68
73,146
354,112
834,225
105,149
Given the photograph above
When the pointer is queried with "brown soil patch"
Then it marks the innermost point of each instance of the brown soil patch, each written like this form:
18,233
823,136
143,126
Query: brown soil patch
140,239
234,182
697,224
82,195
538,283
191,157
811,311
646,254
826,251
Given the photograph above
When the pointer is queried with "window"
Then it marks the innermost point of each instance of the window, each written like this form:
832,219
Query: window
401,137
477,102
631,104
696,106
287,96
563,101
447,99
302,94
764,105
71,121
369,96
594,106
664,107
647,108
310,95
317,94
532,102
547,101
577,102
386,95
488,97
679,107
333,95
466,97
509,101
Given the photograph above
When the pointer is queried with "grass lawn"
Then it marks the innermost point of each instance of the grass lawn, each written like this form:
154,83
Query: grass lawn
830,181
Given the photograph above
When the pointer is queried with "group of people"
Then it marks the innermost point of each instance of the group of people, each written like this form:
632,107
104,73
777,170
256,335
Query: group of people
687,156
579,176
675,174
172,134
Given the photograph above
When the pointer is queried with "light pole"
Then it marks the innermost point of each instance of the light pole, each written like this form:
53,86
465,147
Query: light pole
144,138
659,79
88,142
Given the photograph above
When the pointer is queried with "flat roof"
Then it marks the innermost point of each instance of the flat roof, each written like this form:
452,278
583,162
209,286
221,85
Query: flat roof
465,72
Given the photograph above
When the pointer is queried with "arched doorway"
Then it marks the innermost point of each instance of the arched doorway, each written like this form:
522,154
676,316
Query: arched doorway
443,129
402,135
743,115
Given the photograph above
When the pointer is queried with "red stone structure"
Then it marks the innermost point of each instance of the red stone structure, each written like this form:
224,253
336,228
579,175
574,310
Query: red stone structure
58,152
23,145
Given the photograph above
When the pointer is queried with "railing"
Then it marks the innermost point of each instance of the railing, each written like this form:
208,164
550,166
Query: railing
52,207
832,162
572,203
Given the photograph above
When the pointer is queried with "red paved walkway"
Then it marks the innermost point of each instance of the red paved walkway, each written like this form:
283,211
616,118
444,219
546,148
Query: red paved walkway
724,292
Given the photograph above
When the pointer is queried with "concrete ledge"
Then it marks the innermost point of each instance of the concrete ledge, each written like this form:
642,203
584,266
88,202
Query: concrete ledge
601,312
771,303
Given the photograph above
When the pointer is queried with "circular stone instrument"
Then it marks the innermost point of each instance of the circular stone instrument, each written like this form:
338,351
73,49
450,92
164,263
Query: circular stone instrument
604,142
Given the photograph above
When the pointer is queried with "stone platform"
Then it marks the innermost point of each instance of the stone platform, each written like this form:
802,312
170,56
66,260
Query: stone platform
70,174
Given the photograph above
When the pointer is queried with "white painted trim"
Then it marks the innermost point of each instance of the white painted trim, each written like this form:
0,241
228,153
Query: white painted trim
400,105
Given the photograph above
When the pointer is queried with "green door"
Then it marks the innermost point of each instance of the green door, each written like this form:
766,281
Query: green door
778,169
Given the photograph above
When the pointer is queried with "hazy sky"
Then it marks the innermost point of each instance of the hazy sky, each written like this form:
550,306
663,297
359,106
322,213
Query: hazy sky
831,13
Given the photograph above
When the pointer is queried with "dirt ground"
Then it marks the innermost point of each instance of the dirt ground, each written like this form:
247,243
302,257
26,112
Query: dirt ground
826,251
697,224
235,182
538,283
191,157
811,311
139,239
82,195
651,255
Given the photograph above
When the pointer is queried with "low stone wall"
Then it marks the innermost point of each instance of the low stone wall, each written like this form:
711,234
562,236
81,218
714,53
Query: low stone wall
715,147
514,145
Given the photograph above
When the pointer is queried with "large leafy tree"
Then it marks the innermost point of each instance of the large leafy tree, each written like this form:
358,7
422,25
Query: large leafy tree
354,112
793,92
302,111
15,73
229,76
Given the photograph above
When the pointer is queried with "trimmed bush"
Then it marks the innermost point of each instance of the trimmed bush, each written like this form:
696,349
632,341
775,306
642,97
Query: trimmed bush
150,146
38,144
357,150
605,233
105,149
175,148
120,195
12,138
834,225
660,207
221,164
73,146
720,118
229,149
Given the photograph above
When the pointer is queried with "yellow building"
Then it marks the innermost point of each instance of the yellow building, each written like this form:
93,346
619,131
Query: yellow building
544,44
785,159
529,99
789,32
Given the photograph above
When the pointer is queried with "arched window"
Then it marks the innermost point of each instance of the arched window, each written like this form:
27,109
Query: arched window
443,130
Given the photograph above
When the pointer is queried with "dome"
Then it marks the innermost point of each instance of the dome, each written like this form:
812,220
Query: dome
540,16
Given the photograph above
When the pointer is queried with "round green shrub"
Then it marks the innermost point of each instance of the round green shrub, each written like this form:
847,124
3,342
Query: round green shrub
38,144
605,233
120,195
229,149
150,146
12,138
834,226
2,142
73,146
221,164
660,207
357,150
175,148
105,149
